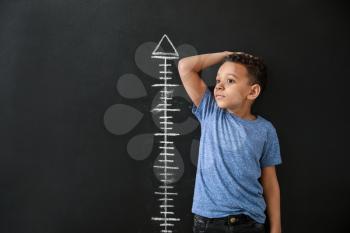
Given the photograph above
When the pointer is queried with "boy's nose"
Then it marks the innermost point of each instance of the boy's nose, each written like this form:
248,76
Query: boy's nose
218,87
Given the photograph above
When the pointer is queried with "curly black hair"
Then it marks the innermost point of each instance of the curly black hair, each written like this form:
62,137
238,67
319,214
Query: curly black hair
255,66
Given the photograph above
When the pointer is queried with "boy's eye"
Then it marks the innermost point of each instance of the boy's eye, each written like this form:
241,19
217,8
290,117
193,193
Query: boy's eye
228,81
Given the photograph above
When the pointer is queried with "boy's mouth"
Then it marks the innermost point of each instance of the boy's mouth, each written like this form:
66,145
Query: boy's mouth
219,96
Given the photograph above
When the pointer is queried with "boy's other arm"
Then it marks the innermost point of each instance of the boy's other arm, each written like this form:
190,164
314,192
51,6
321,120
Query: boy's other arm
189,68
272,197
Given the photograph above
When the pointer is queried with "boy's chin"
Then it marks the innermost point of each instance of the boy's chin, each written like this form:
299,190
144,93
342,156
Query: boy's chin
220,105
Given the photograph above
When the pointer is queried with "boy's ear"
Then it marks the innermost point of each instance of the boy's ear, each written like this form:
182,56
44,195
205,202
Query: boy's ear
254,92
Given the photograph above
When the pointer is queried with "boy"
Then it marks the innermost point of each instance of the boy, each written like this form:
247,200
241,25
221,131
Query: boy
236,148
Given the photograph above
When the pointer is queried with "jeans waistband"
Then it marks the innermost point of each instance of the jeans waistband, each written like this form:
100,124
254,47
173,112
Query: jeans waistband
230,219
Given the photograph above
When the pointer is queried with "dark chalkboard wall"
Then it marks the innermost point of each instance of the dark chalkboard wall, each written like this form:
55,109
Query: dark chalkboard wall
76,96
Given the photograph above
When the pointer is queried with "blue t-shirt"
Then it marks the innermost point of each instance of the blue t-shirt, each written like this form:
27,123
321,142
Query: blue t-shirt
232,152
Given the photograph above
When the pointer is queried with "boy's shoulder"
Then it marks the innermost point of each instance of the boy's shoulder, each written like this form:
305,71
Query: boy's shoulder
265,121
269,130
267,124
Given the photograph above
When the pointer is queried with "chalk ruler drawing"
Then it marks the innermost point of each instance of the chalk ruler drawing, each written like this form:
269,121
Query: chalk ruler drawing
166,158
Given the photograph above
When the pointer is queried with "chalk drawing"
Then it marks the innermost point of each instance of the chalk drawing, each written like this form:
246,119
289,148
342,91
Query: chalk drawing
158,61
167,215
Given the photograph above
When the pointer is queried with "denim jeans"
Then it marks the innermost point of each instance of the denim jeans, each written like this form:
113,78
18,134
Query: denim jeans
230,224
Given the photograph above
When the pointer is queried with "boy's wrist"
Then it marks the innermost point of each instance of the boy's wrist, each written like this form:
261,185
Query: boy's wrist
227,53
209,59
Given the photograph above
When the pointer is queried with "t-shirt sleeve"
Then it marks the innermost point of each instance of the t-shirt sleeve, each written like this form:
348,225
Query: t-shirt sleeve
271,152
205,107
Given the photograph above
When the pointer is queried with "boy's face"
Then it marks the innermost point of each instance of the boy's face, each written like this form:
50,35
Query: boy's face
232,90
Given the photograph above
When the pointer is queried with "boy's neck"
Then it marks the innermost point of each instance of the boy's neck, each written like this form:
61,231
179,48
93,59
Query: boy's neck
243,112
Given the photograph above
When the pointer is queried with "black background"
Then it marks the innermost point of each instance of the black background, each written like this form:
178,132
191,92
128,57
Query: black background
62,171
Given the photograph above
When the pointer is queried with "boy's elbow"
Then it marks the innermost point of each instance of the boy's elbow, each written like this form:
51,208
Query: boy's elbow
184,68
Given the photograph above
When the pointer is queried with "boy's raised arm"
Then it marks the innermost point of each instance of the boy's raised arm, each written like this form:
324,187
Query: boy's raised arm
189,67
